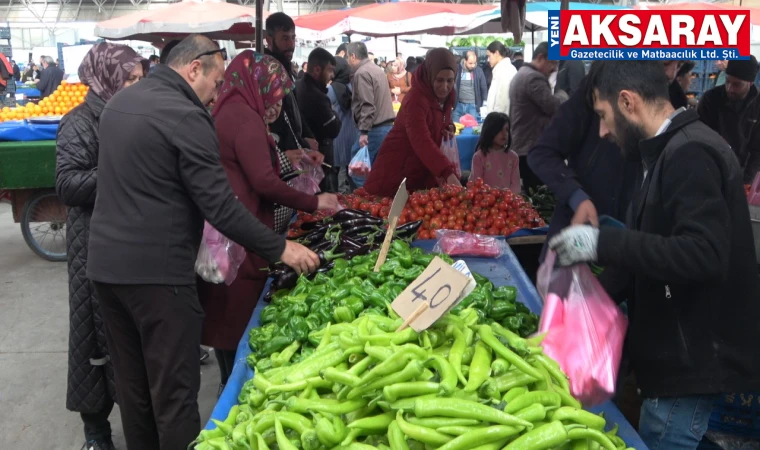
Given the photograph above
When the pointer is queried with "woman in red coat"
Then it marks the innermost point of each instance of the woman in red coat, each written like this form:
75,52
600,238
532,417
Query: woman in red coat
412,149
250,100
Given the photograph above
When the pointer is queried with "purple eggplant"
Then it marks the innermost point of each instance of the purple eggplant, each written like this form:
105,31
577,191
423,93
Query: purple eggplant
350,214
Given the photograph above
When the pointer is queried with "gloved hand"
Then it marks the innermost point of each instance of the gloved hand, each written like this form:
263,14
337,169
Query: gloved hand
575,244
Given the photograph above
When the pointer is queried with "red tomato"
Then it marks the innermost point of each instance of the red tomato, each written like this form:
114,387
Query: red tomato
505,231
480,230
454,201
469,227
437,204
499,223
434,197
423,234
460,213
413,217
384,211
420,210
490,199
469,195
460,222
470,218
470,184
479,182
493,212
435,223
429,210
375,210
493,231
445,211
386,201
424,198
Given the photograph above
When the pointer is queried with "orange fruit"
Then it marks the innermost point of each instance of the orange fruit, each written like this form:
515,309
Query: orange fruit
57,110
64,83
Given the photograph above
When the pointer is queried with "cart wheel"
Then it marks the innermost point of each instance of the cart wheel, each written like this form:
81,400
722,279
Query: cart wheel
43,224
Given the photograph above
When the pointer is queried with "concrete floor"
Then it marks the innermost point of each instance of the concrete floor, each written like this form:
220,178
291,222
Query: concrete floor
34,330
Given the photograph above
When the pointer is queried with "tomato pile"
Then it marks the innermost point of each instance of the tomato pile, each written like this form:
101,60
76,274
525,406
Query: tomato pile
476,208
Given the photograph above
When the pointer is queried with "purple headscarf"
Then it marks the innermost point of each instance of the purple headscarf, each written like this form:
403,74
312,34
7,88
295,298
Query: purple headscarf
106,68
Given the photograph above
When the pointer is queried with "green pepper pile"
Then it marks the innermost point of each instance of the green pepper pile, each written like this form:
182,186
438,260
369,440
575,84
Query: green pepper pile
352,289
458,385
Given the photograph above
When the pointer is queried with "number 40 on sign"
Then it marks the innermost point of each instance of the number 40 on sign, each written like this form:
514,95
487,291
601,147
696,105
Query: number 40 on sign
428,297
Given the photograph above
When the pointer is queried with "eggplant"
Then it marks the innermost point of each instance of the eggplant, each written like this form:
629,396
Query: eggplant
348,243
363,250
350,214
364,229
287,280
316,234
411,227
355,223
324,245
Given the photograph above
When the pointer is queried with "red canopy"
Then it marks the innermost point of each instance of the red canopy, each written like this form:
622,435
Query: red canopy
214,18
393,19
754,13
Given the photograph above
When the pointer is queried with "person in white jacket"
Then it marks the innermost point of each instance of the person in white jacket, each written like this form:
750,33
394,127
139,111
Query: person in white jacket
503,72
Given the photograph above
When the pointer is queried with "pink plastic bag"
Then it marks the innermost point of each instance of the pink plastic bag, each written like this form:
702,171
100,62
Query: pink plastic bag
462,243
468,121
310,177
218,257
451,151
585,329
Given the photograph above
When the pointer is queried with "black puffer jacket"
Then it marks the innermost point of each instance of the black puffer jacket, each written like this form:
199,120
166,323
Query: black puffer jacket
90,379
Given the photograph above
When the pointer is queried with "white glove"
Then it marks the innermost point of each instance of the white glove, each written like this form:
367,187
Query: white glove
575,244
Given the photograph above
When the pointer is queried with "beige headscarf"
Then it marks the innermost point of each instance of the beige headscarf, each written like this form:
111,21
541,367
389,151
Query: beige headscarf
439,59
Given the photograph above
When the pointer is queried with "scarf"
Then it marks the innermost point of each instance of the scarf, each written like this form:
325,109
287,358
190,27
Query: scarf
106,67
259,79
424,76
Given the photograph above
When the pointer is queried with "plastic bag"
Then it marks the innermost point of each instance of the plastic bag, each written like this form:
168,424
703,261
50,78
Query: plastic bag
585,329
218,257
462,243
468,121
360,164
310,177
451,151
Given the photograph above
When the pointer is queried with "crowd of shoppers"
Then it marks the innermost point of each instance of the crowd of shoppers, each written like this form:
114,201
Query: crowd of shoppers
602,142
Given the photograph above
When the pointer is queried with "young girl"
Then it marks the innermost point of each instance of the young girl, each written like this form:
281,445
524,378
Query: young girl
494,162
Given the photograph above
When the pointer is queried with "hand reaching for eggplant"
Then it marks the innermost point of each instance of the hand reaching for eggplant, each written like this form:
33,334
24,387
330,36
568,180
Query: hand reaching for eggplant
299,258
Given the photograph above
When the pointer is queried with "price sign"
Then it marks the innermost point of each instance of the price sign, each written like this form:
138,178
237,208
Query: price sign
433,293
399,201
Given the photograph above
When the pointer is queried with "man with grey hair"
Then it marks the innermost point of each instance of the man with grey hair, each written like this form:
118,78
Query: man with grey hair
371,101
50,76
159,179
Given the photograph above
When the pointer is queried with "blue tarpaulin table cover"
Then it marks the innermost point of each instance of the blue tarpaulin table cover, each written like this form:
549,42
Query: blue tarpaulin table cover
505,270
28,92
467,141
20,130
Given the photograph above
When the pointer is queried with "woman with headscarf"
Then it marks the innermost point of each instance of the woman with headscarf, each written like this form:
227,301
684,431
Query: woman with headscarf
339,92
412,149
106,69
399,80
249,101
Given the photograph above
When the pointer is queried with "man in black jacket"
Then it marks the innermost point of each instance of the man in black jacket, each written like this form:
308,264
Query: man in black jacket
688,249
159,177
311,93
597,179
290,129
50,77
569,75
733,110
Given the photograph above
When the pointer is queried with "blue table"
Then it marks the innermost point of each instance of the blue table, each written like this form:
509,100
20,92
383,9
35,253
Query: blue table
505,270
28,92
467,142
20,130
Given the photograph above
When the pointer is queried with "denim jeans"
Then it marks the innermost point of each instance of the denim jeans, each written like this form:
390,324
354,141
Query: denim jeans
465,108
376,136
675,423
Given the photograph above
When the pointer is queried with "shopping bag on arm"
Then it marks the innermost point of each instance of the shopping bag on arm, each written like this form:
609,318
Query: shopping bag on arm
451,151
584,329
219,258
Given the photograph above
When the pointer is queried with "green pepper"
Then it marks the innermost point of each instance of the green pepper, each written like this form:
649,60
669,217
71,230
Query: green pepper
501,309
298,328
276,344
377,278
302,286
282,317
513,323
340,293
408,274
378,299
361,292
340,263
399,248
321,279
299,309
424,259
268,314
313,322
389,266
361,270
343,314
508,293
279,295
354,303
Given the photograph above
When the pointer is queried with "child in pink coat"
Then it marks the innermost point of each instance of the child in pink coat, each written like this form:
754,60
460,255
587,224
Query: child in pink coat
494,162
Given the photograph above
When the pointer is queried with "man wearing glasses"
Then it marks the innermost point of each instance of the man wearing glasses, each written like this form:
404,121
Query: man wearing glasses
159,179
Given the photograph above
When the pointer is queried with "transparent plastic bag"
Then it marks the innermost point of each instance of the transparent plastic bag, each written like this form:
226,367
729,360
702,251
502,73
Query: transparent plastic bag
462,243
218,257
310,177
584,329
360,164
451,151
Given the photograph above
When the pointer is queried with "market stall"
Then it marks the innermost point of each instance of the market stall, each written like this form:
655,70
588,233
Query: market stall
501,271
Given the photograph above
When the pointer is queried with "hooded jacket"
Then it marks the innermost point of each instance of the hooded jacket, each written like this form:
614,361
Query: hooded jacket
412,149
689,249
293,131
